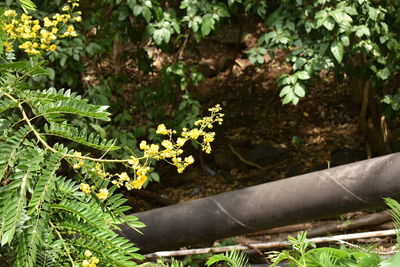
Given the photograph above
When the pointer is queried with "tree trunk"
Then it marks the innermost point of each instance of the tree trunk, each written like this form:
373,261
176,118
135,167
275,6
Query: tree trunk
372,124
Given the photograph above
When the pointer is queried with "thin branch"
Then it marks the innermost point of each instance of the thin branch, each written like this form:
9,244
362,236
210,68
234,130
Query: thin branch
269,245
65,246
48,147
243,159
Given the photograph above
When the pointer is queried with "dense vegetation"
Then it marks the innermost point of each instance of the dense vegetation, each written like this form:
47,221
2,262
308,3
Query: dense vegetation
62,160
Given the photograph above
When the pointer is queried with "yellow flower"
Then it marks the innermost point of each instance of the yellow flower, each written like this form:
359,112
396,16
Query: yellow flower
189,160
167,144
153,148
85,263
70,29
25,17
161,129
143,145
78,18
66,8
209,137
123,177
88,253
142,171
8,46
10,13
134,161
36,28
94,260
181,141
53,47
57,18
103,194
47,22
85,188
138,183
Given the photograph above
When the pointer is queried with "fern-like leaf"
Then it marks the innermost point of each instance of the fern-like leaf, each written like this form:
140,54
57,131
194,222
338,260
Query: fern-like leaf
395,213
88,213
234,258
10,149
23,67
42,193
48,96
30,240
80,136
27,5
14,207
7,104
77,107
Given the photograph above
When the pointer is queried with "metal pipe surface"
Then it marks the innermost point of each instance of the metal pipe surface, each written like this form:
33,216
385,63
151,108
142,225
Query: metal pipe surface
293,200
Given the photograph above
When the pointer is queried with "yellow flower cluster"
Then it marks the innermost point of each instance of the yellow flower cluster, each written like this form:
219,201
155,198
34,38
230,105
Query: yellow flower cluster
204,123
90,261
79,164
36,36
170,150
87,189
103,194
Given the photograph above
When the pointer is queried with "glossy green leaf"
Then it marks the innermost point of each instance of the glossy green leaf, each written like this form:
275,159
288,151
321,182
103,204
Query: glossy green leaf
337,50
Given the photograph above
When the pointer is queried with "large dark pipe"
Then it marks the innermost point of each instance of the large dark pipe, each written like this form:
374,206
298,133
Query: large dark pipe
306,197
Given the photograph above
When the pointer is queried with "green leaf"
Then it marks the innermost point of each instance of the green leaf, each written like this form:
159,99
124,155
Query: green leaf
345,40
302,75
351,10
71,106
288,98
329,23
123,13
372,13
27,5
80,136
137,10
338,16
161,35
146,13
299,90
393,261
30,240
207,24
155,177
384,73
362,30
337,50
11,148
44,186
299,63
286,90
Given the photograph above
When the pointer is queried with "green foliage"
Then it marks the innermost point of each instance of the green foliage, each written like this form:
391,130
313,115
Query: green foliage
304,253
328,35
46,218
234,258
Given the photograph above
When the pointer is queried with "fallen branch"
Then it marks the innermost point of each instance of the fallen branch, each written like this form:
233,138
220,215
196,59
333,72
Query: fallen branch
269,245
368,220
322,228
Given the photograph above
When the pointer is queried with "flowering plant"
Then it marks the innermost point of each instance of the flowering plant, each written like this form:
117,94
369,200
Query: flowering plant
58,203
